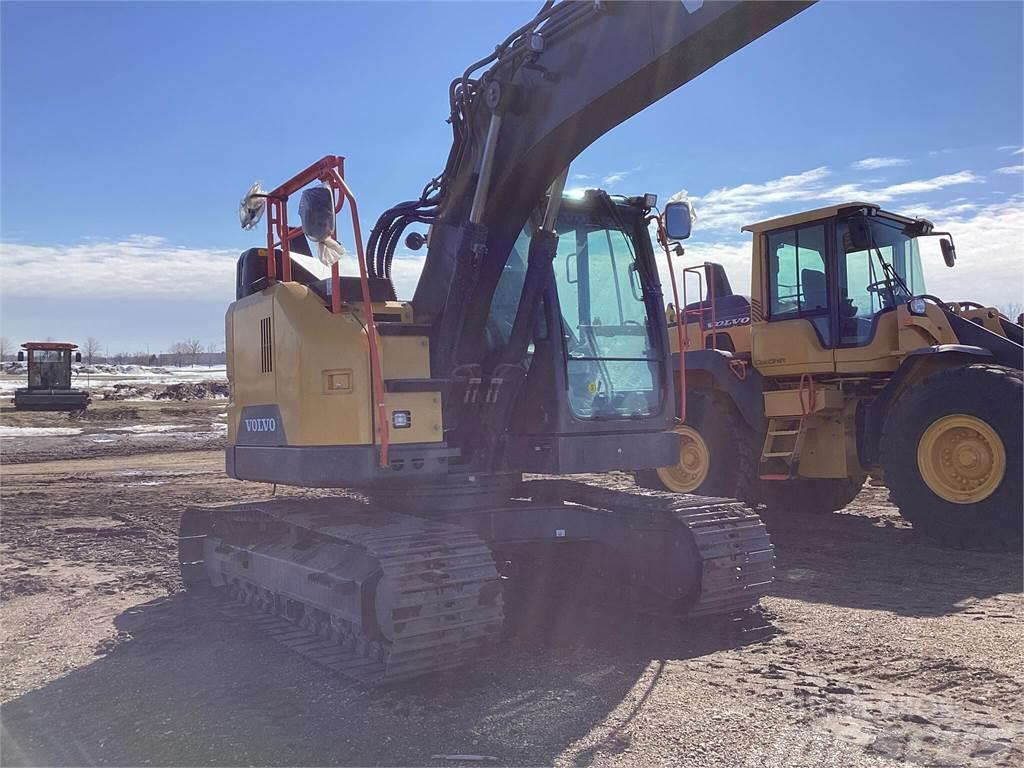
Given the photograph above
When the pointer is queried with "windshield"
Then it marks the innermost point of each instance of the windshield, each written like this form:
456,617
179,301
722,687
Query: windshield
611,364
613,370
876,278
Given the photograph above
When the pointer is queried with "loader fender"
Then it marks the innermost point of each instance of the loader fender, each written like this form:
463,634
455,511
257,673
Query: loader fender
918,364
709,368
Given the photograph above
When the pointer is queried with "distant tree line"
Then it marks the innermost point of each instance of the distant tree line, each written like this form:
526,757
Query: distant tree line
181,353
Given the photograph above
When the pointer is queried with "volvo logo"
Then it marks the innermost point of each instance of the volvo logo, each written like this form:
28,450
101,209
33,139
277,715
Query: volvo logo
260,425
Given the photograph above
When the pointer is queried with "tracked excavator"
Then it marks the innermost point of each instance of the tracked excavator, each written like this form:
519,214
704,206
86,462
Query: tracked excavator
534,343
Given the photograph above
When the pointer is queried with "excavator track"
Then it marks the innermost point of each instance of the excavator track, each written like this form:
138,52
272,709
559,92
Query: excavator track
381,596
422,595
737,559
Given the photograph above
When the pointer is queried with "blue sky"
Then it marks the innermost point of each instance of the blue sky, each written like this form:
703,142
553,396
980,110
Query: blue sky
130,131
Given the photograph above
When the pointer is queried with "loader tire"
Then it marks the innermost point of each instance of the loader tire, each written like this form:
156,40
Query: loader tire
952,456
717,453
810,495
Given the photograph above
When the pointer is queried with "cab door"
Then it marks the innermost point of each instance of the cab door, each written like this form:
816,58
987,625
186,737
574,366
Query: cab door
794,328
867,334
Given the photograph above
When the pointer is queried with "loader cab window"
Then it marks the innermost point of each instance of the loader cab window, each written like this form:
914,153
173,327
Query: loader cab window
867,287
49,369
612,366
797,278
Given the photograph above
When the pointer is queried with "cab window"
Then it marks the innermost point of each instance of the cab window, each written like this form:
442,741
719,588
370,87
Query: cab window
797,279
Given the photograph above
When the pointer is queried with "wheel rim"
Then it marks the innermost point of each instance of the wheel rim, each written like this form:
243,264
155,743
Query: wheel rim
694,462
961,459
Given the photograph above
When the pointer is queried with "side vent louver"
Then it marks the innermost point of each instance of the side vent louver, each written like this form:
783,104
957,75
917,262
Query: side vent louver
266,346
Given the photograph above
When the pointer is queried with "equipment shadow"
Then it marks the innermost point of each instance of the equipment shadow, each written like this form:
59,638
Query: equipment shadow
186,686
861,558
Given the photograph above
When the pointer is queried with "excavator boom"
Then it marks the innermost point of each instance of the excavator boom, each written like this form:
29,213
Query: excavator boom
576,71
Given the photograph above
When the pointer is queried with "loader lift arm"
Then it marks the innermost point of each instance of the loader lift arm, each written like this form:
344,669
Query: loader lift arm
553,87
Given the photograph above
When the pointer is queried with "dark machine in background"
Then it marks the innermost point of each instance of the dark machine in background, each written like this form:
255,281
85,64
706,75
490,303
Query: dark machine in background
49,378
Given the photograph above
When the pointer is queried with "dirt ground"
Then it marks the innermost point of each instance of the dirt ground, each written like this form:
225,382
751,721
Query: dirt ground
877,647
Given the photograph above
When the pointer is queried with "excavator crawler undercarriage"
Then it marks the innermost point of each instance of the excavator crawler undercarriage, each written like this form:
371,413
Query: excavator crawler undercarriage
381,596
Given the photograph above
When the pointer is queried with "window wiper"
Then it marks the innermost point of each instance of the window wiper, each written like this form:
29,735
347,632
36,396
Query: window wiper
891,275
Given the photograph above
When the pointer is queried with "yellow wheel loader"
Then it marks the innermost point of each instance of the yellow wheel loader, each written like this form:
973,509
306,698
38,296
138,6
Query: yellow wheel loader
534,343
841,364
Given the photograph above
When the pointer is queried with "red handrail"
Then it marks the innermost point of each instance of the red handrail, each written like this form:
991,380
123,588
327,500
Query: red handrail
330,169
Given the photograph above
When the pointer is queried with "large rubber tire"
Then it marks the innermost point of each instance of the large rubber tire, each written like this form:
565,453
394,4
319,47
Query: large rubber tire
730,444
810,495
989,394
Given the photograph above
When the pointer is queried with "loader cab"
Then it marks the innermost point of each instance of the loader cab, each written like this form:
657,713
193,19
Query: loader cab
830,283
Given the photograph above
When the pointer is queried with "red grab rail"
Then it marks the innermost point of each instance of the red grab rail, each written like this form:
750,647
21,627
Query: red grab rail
330,169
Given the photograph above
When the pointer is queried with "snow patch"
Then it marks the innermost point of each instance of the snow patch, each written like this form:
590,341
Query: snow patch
147,428
38,431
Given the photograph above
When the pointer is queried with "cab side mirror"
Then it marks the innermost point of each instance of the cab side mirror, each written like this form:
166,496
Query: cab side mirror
678,220
78,357
948,251
21,356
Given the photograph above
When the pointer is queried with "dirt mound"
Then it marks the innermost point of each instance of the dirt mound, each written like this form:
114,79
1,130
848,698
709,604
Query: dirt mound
190,390
199,390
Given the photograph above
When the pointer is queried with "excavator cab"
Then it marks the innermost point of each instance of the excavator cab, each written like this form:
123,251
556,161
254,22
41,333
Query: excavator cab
598,365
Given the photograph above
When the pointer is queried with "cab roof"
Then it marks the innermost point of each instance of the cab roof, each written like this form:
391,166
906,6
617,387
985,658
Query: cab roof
48,345
796,219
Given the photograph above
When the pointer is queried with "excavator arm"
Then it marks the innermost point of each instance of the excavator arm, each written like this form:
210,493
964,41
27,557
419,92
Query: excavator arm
554,86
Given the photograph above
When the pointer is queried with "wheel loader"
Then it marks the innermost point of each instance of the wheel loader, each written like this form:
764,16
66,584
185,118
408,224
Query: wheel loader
534,343
840,364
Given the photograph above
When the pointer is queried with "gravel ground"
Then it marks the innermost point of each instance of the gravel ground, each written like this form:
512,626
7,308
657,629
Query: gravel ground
877,647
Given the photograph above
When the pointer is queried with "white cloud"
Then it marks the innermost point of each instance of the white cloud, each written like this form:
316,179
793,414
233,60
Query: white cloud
143,266
1011,169
988,247
614,178
582,177
925,185
733,207
873,163
139,265
1019,151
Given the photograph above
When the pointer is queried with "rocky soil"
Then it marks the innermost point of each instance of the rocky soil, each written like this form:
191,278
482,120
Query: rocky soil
878,647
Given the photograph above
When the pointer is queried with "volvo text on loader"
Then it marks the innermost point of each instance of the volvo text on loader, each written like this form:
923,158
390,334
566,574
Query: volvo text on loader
535,342
842,364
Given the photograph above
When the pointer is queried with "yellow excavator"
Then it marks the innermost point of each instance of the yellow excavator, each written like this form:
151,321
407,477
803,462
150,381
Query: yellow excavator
840,364
534,343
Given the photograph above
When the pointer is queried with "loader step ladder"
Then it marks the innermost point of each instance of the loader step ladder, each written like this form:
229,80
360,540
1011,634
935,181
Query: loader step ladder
780,457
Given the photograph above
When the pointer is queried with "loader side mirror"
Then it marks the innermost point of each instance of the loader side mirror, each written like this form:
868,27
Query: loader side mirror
948,251
21,356
78,357
678,220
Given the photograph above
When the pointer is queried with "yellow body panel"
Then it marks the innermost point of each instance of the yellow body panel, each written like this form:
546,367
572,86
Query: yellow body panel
881,355
786,402
789,348
830,445
316,369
